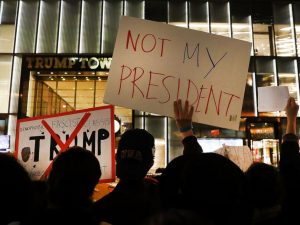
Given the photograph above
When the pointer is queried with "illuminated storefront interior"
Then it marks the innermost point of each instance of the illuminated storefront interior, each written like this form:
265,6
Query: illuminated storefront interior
78,27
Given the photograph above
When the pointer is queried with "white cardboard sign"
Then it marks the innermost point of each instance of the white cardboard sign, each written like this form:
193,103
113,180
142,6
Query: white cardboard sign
154,64
272,98
93,129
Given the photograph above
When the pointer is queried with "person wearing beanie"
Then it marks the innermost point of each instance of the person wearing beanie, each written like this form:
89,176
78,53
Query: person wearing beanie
134,198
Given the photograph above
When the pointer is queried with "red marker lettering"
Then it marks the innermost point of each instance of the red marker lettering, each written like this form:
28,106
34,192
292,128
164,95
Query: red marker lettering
199,98
123,78
135,79
152,84
211,92
154,42
163,82
162,45
230,100
188,91
129,37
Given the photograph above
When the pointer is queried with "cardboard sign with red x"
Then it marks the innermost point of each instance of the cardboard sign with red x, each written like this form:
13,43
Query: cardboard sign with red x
40,139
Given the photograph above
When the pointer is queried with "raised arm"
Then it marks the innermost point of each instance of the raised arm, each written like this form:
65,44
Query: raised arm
291,111
183,116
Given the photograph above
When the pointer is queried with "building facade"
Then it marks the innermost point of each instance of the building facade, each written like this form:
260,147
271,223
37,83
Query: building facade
43,42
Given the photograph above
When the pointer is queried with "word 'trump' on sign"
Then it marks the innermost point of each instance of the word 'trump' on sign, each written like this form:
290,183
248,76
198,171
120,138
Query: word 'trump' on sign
40,139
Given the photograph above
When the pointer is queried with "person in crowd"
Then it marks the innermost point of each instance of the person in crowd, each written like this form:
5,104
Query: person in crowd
16,192
134,198
266,193
206,183
75,173
289,165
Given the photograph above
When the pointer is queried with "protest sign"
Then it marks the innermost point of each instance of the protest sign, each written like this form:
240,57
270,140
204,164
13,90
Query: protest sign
154,64
40,139
272,98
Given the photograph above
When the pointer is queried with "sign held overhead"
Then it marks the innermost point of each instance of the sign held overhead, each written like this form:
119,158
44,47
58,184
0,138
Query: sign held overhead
154,64
272,98
40,139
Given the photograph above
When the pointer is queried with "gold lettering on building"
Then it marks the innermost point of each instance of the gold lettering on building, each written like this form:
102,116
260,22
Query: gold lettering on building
92,63
60,63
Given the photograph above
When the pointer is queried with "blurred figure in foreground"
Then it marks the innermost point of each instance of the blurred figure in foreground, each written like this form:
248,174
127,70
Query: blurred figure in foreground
71,182
16,192
205,183
134,198
289,165
266,194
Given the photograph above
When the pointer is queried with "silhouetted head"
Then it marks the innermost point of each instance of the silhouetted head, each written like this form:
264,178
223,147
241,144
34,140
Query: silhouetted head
74,174
265,185
207,183
16,191
135,154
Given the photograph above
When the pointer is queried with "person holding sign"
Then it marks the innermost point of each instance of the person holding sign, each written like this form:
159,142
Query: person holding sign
206,183
289,165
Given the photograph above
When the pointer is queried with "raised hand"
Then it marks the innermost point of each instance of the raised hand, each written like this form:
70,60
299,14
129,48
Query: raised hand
183,115
291,108
291,111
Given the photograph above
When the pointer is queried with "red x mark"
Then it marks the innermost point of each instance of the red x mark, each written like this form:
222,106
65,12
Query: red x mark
63,146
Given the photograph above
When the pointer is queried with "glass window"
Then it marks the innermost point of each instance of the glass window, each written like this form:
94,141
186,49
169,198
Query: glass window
27,24
90,31
177,14
296,9
7,25
69,27
15,84
100,89
48,27
288,76
249,98
66,91
199,17
85,93
5,75
138,122
156,10
12,122
263,33
265,72
37,103
135,8
112,10
8,11
7,34
241,21
265,76
51,86
156,126
284,30
220,22
249,103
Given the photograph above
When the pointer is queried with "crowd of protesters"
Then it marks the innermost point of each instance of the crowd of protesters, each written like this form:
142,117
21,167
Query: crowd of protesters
194,188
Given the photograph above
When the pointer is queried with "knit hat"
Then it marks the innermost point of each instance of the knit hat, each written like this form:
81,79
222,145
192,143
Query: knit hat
135,154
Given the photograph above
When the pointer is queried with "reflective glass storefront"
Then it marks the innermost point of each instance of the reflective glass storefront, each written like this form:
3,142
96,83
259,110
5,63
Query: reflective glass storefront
88,27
